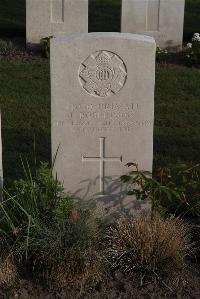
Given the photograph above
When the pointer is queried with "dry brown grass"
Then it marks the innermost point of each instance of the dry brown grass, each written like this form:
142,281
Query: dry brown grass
156,247
8,272
85,268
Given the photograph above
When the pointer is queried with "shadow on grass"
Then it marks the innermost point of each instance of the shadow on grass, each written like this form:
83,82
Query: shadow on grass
104,15
175,145
12,18
34,145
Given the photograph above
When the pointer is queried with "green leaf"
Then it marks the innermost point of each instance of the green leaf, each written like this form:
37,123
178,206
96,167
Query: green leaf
126,178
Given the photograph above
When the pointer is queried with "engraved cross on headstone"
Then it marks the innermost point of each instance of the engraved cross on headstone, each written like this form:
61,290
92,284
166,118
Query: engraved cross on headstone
102,160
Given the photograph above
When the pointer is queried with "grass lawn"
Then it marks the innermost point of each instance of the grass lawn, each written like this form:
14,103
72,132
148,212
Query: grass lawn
12,18
192,18
25,104
104,15
177,115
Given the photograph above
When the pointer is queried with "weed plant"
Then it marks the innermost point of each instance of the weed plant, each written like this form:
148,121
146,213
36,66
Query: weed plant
42,228
172,190
45,46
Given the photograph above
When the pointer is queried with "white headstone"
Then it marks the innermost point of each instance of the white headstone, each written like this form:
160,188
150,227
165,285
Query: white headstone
102,112
46,18
1,163
161,19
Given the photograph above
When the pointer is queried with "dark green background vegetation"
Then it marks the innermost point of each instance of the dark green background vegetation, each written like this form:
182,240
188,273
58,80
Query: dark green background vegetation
25,95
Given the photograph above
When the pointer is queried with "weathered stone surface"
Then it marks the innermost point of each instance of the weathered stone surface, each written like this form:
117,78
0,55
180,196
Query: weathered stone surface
46,18
102,113
161,19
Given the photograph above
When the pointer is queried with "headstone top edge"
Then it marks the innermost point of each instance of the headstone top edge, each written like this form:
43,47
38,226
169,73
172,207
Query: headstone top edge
127,36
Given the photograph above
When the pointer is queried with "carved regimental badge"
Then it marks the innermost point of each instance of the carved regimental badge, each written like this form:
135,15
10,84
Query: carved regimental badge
102,74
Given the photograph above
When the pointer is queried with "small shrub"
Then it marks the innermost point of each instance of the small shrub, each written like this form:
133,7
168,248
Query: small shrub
192,51
173,190
45,46
68,251
153,248
44,229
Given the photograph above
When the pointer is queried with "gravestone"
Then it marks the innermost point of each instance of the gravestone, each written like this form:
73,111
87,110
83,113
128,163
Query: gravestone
46,18
1,163
161,19
102,88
